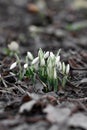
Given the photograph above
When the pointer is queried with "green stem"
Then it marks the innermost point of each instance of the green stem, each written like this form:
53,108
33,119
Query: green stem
19,65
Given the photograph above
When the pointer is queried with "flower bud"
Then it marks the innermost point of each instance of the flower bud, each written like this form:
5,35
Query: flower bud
67,69
63,67
35,61
46,55
25,66
13,65
13,46
52,55
30,56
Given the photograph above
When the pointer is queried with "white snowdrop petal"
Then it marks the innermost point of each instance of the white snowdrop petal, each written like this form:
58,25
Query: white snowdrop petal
30,56
52,55
55,74
13,46
25,65
63,67
33,28
35,61
58,58
67,69
46,55
13,65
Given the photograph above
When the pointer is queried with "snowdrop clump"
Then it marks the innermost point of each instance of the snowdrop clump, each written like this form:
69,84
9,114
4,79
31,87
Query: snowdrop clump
48,67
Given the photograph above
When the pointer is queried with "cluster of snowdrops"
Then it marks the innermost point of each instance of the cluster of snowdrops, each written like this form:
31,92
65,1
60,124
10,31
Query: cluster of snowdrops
47,66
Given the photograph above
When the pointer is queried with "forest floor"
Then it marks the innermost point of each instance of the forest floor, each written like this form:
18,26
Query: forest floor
61,24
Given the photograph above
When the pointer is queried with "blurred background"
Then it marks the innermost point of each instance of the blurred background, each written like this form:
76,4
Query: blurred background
46,24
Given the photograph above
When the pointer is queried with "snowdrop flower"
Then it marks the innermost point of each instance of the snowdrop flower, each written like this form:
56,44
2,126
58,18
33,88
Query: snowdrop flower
35,61
33,28
30,56
13,65
52,55
63,67
25,66
13,46
67,68
46,55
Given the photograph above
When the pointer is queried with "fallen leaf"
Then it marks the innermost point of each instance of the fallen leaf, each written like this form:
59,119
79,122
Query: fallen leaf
78,120
56,115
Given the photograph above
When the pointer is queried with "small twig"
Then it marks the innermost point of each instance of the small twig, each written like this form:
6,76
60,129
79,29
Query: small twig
4,82
79,69
73,100
20,89
6,91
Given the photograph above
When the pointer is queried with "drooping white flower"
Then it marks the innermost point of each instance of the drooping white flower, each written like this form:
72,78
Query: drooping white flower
67,68
35,61
25,66
63,67
52,55
46,55
13,46
13,65
30,56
